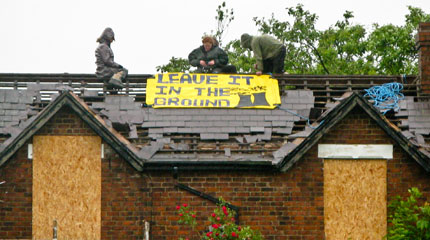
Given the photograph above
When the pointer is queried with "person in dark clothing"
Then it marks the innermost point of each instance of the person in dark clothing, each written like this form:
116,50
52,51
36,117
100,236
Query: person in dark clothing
269,53
209,58
110,72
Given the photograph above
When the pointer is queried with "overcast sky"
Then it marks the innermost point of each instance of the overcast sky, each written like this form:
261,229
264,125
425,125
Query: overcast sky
56,36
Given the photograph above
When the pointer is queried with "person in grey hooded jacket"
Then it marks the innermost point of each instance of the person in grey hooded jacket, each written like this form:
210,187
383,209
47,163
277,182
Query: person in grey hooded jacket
269,53
106,66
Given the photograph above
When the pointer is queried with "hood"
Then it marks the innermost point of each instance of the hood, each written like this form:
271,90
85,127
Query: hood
107,36
245,40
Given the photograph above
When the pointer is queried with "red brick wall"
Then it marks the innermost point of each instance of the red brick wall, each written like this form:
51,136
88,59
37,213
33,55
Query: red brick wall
124,198
15,197
423,44
282,205
66,123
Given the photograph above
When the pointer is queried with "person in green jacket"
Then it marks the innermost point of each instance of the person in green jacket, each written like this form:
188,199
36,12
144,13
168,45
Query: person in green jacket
209,58
269,53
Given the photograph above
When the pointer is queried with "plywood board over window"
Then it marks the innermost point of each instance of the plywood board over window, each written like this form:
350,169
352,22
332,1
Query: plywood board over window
355,199
67,186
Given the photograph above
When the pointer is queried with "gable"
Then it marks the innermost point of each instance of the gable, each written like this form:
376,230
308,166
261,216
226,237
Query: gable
67,99
342,111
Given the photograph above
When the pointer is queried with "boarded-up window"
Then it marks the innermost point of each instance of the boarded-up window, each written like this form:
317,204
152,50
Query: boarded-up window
355,193
67,186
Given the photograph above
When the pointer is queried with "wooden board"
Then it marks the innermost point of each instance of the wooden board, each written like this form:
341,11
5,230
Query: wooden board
67,186
355,199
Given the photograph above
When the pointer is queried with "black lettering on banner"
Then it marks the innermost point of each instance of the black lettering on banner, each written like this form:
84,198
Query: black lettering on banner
212,79
172,79
172,101
173,89
234,80
227,103
186,78
214,103
248,82
199,91
160,79
197,104
214,92
186,102
161,90
224,92
159,101
202,78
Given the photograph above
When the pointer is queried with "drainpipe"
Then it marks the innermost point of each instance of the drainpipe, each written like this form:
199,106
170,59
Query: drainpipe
146,224
54,230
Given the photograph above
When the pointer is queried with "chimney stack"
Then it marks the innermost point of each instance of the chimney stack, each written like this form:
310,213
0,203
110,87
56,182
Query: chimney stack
423,46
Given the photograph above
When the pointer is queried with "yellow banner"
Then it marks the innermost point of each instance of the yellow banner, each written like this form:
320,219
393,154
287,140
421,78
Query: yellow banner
187,90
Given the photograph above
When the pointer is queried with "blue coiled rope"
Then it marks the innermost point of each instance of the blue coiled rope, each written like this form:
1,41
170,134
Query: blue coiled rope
386,96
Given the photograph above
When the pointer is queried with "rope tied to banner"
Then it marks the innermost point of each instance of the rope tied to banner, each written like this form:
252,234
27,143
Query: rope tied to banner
386,96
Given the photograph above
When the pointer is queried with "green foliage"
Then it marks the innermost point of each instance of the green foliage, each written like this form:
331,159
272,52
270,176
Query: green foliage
175,65
343,48
409,221
239,57
222,225
224,17
299,37
393,47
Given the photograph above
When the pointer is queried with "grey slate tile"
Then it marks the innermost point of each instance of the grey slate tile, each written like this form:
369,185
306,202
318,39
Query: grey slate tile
266,136
237,123
227,152
184,130
251,138
257,129
170,130
257,118
283,151
282,130
242,130
264,124
155,130
163,124
214,136
155,135
271,118
242,118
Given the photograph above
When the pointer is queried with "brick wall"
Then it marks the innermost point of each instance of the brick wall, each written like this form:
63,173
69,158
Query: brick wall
15,196
282,205
423,45
66,123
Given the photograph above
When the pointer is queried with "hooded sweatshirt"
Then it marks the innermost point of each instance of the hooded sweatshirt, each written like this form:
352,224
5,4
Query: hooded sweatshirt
264,47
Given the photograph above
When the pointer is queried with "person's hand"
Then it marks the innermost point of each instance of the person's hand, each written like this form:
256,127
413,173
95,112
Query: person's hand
258,73
203,63
211,62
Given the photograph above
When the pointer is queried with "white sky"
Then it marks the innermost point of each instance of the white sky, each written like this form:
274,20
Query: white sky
57,36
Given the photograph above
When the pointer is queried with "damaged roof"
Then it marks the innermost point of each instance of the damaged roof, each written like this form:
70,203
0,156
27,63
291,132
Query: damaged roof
151,138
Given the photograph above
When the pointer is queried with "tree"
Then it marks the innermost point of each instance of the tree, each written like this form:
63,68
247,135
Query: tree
343,48
409,220
393,47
